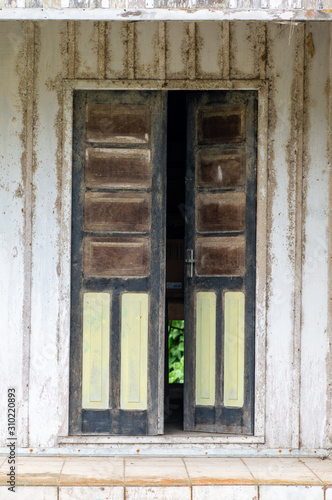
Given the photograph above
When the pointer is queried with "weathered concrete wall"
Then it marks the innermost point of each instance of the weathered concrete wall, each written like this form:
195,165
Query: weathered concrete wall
35,58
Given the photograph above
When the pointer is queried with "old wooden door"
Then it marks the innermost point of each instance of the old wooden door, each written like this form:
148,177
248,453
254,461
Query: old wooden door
118,263
220,270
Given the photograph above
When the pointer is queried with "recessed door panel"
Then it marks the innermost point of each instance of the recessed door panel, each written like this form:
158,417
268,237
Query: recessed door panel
221,124
117,212
220,256
221,212
118,123
118,168
96,342
205,348
134,351
220,168
234,307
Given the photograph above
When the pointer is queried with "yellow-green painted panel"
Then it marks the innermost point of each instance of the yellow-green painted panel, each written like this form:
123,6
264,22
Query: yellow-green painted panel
234,349
96,350
205,348
134,351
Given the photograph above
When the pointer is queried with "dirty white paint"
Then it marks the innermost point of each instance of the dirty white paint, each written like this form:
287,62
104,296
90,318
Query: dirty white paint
177,49
116,50
315,345
244,50
147,50
86,50
270,11
46,372
210,50
295,383
279,358
12,222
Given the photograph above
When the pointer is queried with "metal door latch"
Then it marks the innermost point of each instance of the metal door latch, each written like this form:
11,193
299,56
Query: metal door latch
190,261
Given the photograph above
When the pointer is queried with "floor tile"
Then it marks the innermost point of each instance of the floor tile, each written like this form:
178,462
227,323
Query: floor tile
158,492
218,471
34,470
39,470
291,492
280,471
4,469
322,468
225,492
154,471
92,471
91,493
29,493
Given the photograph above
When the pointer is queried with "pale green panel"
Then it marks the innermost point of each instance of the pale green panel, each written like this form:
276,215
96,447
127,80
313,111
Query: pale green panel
205,348
234,349
96,350
134,350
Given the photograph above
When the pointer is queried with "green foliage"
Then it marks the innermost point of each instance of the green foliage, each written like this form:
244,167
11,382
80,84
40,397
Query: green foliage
176,351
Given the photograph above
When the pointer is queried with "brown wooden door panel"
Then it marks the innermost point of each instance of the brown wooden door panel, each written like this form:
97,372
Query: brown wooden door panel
118,262
220,284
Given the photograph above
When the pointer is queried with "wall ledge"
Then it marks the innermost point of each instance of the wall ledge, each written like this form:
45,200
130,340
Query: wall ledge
208,14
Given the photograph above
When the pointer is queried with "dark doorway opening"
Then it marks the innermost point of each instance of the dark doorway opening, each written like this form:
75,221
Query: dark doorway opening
176,167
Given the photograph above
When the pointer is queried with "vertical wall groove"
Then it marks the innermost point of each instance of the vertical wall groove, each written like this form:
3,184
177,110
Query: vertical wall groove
162,50
71,49
131,51
262,51
298,234
225,49
101,49
192,51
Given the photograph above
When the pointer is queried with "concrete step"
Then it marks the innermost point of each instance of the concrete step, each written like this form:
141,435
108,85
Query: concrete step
134,478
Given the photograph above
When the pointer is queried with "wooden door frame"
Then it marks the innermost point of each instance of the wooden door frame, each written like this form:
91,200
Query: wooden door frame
261,86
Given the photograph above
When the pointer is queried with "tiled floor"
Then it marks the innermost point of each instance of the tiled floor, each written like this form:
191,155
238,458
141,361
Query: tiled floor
143,478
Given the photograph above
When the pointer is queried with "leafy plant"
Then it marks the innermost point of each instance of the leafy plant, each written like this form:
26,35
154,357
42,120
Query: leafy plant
176,351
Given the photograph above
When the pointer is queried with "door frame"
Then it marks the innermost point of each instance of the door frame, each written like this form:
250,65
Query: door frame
261,86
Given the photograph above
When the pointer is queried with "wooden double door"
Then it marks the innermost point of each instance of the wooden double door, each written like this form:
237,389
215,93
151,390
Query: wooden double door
119,257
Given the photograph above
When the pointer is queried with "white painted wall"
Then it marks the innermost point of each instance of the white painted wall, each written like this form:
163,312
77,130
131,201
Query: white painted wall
34,343
14,357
